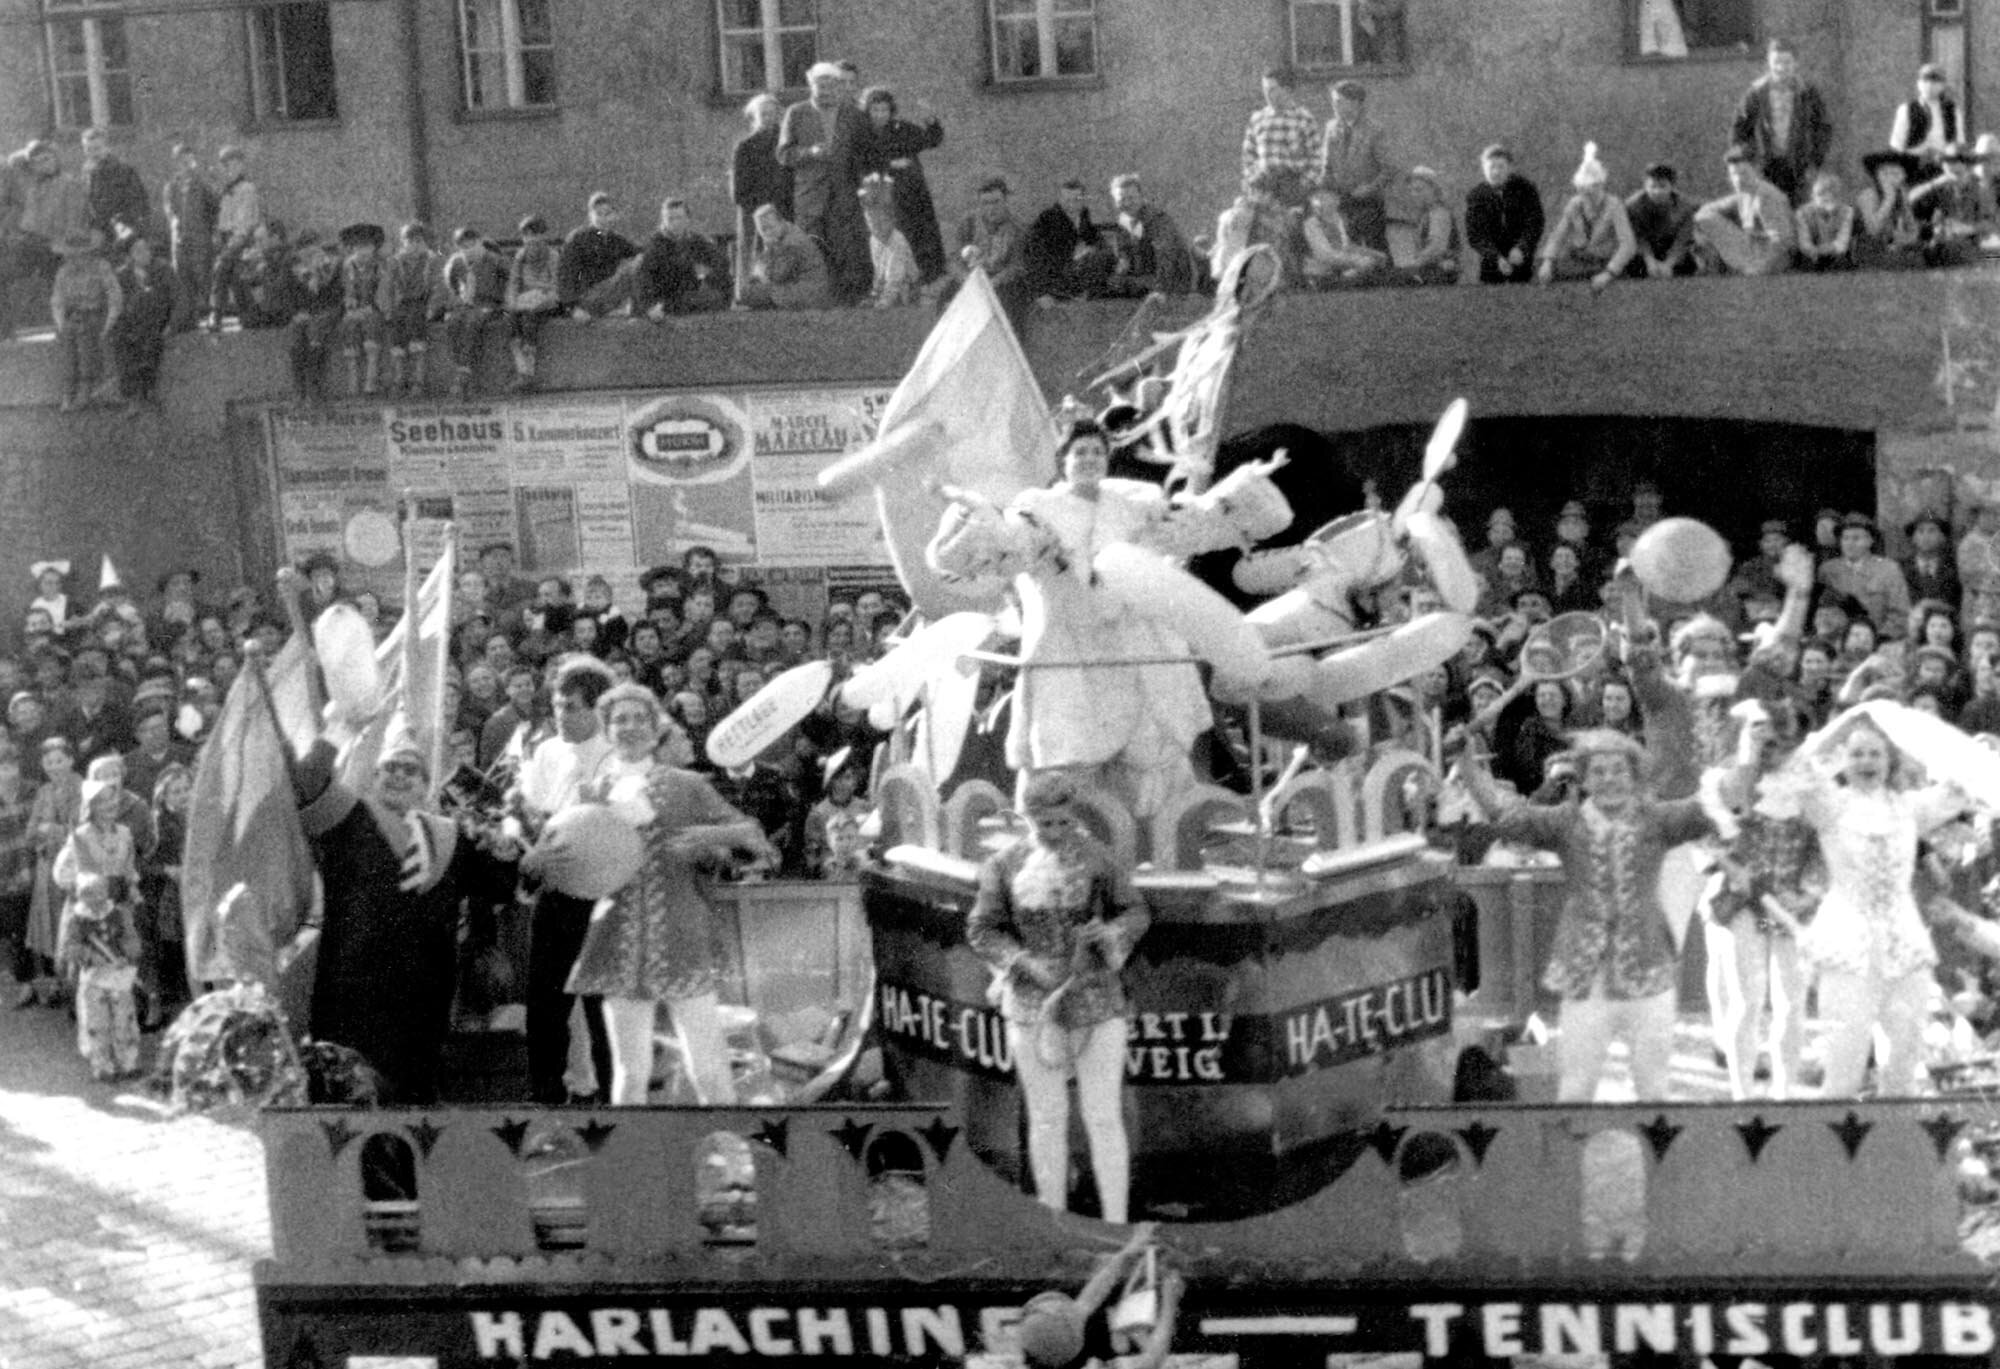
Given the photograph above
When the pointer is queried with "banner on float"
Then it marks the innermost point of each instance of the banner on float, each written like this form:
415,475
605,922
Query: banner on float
593,485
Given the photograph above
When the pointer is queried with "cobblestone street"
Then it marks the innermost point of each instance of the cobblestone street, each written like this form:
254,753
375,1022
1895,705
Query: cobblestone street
126,1237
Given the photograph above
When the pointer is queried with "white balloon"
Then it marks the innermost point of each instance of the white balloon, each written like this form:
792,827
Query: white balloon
346,649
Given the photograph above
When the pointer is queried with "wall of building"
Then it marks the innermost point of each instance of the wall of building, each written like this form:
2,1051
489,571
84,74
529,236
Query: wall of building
1859,353
638,114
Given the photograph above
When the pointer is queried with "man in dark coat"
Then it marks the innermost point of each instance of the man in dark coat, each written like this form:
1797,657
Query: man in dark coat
190,204
1503,220
153,303
394,879
595,271
1148,252
1065,252
1783,122
757,177
117,195
681,271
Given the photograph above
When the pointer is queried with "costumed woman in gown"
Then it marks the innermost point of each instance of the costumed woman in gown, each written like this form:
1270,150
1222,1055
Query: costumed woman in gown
653,941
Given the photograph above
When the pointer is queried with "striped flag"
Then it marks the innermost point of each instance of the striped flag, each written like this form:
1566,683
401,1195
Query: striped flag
243,828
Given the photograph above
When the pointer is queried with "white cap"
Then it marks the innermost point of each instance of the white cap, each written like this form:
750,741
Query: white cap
1589,171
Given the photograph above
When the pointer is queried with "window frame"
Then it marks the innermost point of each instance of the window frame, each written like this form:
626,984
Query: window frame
264,111
770,32
1346,11
511,52
97,75
1751,49
1047,14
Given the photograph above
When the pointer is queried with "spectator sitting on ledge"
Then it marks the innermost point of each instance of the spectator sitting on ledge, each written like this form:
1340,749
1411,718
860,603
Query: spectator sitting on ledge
1592,240
990,238
1949,208
1149,254
1748,232
533,297
1891,236
1826,228
681,271
1066,256
597,264
1503,220
897,279
789,271
1429,253
1332,255
1662,222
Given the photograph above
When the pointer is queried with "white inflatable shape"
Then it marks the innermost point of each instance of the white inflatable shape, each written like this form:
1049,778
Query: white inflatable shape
768,714
1441,452
949,700
1440,455
885,689
1437,546
346,650
1265,573
1370,667
1681,559
1319,613
1423,497
1213,628
1361,544
587,851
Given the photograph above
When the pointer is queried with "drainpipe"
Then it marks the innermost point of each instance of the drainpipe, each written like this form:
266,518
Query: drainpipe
413,102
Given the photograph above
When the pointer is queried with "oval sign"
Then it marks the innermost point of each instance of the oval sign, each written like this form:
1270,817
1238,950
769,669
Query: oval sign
684,442
768,714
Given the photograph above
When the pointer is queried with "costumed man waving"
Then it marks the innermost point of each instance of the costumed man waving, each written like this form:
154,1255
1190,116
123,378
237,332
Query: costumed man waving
394,877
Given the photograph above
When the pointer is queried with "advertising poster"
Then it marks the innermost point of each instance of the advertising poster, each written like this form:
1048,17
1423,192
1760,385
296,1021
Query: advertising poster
796,524
578,486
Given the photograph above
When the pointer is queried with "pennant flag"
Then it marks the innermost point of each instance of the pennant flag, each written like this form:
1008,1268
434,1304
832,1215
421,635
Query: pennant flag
412,669
243,828
969,414
108,577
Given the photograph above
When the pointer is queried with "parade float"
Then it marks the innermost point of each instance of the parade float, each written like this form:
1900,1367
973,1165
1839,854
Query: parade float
1298,1010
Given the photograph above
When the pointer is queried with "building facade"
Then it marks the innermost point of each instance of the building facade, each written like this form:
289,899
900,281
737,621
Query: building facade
481,111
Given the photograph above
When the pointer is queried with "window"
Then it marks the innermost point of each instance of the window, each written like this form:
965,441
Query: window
291,63
1327,34
509,53
1035,40
767,44
1680,28
89,65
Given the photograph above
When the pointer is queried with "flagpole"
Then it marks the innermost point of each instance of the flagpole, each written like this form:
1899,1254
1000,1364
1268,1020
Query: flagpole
440,738
254,662
410,606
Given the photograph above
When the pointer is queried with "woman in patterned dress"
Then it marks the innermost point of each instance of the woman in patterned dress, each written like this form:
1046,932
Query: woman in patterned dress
654,940
1614,962
1868,939
1056,918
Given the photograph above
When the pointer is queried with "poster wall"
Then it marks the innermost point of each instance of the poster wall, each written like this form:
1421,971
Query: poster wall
600,485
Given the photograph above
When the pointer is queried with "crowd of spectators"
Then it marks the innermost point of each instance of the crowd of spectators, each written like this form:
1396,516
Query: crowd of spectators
834,208
126,690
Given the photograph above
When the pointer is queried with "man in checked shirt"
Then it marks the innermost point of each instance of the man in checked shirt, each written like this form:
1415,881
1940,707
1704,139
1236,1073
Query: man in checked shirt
1283,141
